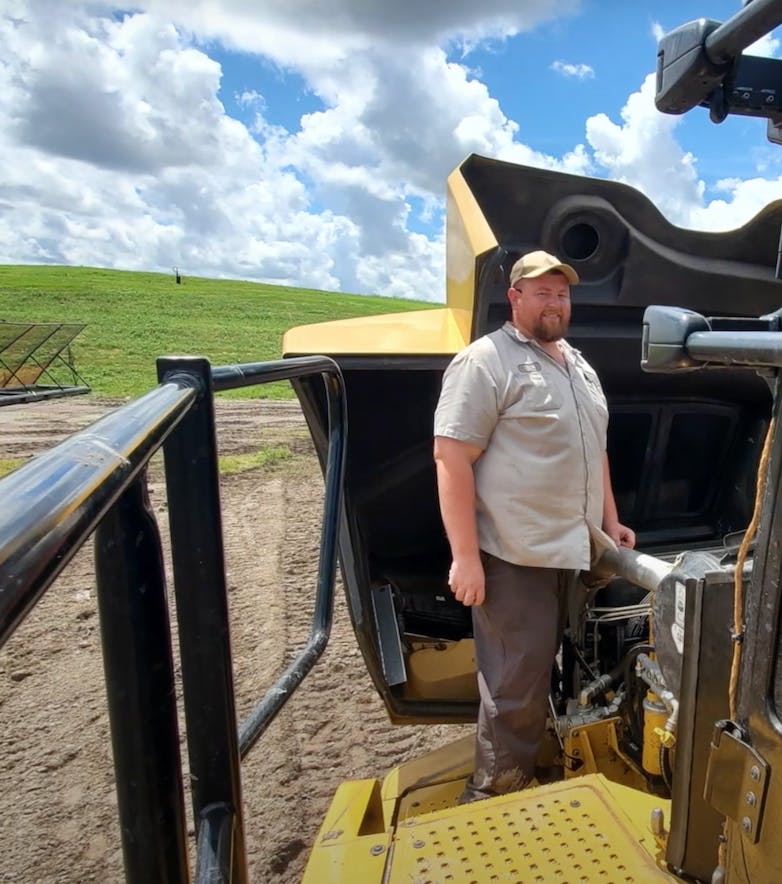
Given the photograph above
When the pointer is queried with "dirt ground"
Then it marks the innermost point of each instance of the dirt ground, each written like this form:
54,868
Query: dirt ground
58,814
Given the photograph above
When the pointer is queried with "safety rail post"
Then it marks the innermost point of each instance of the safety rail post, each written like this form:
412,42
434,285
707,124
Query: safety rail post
139,669
198,560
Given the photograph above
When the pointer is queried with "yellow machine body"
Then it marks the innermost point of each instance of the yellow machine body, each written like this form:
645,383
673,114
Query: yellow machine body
439,331
411,829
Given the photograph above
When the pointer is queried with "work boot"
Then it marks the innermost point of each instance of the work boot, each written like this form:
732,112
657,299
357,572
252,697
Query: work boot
508,781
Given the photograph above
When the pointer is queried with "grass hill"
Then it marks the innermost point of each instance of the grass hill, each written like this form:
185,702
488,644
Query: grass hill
132,318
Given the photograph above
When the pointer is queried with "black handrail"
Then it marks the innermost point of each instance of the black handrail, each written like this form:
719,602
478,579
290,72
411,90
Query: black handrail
96,479
50,506
232,376
263,714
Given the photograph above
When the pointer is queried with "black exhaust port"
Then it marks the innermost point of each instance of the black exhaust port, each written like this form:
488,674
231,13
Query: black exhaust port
580,241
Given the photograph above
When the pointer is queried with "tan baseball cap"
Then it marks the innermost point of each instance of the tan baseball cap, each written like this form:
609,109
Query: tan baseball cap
535,264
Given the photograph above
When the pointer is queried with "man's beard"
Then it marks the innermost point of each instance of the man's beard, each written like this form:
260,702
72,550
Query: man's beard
548,329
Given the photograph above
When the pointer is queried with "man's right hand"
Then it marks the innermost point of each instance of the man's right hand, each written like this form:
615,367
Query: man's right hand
456,490
467,581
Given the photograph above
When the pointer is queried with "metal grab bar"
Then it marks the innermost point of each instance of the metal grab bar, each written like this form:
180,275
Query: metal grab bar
50,506
265,711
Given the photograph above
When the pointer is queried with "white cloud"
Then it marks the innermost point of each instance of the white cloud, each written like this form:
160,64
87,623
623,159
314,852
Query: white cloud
643,153
119,116
419,269
85,93
767,46
251,98
397,116
160,176
577,71
743,200
116,150
308,33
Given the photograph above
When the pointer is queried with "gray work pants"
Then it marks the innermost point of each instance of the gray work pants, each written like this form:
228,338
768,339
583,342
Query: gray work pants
518,630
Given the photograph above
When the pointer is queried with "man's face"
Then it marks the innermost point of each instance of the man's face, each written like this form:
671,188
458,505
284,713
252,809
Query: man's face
541,307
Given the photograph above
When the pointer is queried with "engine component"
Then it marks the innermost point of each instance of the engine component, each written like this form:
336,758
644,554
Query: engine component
668,612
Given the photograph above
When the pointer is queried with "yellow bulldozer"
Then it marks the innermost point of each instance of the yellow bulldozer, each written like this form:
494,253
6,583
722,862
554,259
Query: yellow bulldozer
664,724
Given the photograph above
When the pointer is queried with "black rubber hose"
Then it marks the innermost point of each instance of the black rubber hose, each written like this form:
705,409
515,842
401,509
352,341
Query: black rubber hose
636,708
665,767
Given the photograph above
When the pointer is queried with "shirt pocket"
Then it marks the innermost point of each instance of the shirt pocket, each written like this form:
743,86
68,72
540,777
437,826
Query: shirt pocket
592,383
531,393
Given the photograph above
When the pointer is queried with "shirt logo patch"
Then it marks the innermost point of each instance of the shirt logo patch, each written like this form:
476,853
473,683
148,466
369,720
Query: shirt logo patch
528,367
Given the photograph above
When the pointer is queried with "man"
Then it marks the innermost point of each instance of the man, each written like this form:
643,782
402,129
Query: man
525,496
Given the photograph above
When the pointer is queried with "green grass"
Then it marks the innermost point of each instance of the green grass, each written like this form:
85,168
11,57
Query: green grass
229,465
132,318
239,463
8,466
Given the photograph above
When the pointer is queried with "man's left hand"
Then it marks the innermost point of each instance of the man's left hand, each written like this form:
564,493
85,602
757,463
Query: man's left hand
620,534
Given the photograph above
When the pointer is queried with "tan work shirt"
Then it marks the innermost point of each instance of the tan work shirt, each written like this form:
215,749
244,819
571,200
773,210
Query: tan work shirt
542,427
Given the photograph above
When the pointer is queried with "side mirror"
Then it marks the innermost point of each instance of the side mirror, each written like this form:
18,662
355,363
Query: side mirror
664,342
686,76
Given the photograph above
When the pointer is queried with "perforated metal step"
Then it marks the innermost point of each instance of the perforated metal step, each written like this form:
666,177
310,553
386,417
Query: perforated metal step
567,833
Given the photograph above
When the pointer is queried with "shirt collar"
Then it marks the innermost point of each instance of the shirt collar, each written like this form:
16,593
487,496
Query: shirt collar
511,329
570,352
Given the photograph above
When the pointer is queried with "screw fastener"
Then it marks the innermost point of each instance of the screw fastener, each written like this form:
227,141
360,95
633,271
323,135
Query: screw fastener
754,772
377,849
746,824
750,799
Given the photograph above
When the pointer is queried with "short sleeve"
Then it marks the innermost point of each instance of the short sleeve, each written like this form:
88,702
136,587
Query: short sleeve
468,407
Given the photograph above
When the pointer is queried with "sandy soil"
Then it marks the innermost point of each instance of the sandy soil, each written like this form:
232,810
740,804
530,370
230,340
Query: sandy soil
58,815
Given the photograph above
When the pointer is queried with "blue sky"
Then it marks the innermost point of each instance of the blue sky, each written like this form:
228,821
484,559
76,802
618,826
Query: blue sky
552,112
307,142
